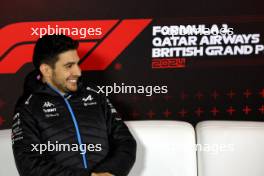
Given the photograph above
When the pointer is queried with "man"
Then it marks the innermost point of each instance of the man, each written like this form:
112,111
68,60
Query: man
63,128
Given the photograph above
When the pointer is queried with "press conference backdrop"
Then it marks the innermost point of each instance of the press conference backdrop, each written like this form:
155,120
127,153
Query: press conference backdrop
169,60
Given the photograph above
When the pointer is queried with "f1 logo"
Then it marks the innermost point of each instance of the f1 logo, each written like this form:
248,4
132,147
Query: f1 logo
97,52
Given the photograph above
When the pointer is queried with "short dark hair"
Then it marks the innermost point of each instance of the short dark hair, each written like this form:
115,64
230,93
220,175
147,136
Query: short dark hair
49,47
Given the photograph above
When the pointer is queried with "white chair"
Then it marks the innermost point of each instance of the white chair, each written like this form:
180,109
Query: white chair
165,148
7,162
230,148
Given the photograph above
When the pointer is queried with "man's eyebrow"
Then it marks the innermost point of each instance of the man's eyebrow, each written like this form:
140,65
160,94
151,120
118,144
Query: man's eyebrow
70,63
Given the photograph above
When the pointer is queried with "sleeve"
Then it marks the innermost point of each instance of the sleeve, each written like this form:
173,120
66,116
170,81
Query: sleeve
29,162
122,153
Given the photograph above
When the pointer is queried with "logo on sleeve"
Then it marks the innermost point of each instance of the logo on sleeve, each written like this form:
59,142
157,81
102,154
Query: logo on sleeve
16,116
28,99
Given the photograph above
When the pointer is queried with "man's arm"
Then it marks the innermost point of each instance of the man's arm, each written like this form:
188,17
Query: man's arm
122,153
25,132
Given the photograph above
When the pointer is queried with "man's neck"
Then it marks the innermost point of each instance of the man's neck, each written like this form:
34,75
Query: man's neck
55,89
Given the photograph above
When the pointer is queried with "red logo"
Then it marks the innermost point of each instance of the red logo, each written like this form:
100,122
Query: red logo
104,42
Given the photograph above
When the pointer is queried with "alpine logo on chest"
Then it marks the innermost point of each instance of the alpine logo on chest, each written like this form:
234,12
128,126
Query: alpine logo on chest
88,100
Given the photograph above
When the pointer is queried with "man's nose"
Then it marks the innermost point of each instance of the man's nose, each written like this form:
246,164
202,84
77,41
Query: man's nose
77,71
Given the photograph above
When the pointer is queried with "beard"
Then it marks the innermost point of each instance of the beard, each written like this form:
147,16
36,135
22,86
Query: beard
65,85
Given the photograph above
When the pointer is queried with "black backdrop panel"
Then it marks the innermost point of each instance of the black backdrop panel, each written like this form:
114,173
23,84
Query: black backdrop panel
218,83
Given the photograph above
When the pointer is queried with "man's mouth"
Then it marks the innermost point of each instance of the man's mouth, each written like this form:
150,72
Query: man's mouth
73,80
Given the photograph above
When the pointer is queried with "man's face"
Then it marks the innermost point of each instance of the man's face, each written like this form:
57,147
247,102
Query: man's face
65,74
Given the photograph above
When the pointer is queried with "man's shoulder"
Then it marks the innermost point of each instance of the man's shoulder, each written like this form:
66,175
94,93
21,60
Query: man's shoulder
92,89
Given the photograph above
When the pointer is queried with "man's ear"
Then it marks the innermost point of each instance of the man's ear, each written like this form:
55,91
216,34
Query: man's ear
45,70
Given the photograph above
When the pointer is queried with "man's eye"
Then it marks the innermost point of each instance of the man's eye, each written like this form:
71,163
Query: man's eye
68,66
